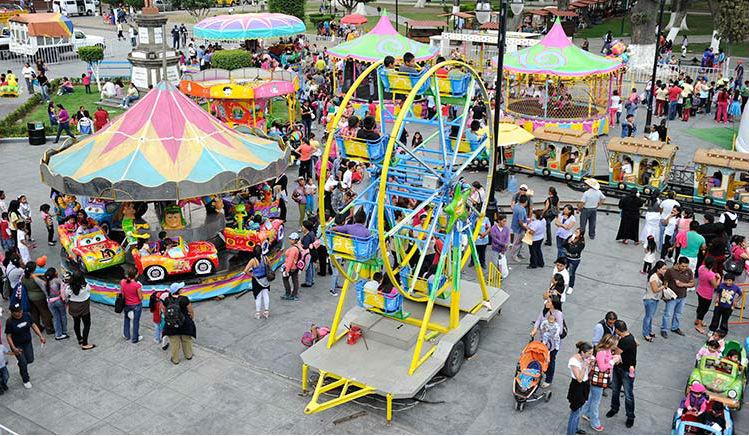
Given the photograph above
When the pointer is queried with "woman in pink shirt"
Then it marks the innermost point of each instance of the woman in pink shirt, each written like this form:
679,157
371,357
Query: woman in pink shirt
133,294
600,378
708,280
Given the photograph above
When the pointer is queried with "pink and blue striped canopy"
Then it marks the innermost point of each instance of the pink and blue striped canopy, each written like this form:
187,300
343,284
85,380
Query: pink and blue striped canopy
248,26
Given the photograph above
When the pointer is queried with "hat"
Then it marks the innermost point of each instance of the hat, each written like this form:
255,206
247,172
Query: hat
697,388
175,287
523,186
300,178
593,183
294,236
527,191
16,307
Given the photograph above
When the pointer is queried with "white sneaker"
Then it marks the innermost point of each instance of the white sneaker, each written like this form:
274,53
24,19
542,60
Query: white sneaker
563,298
570,290
27,385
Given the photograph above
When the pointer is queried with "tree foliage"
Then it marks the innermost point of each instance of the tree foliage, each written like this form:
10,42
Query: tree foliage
289,7
196,8
91,54
733,20
231,59
136,4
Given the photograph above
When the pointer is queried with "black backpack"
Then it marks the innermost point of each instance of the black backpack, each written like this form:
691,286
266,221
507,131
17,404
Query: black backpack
174,317
734,267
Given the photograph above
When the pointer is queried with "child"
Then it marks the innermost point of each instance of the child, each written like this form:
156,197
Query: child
686,109
651,256
156,306
560,267
86,81
6,236
85,124
550,331
729,296
23,242
47,220
711,348
310,191
695,402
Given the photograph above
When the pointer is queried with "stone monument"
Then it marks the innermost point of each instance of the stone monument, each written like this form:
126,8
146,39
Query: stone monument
151,52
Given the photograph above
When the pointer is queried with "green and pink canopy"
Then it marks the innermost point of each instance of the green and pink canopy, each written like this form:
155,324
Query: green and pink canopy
383,40
556,55
248,26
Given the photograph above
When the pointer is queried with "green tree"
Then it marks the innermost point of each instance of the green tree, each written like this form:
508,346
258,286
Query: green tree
288,7
196,8
92,55
136,4
231,59
644,19
733,21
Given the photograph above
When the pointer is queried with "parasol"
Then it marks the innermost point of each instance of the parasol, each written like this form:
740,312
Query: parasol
165,147
556,55
511,134
381,41
248,26
354,19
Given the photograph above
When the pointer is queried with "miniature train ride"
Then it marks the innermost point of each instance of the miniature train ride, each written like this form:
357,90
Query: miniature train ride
415,231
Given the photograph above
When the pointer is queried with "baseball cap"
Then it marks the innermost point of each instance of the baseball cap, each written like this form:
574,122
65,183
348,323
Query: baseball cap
15,307
175,287
294,236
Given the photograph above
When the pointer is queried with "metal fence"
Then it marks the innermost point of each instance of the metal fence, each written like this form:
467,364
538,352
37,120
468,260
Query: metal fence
672,72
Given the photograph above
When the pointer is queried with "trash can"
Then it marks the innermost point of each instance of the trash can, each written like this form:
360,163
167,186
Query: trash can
37,136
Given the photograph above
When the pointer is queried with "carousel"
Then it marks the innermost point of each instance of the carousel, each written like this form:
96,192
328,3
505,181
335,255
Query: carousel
170,191
358,54
556,83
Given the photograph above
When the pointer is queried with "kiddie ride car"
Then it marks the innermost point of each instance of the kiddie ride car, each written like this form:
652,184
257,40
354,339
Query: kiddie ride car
723,378
265,234
182,257
91,251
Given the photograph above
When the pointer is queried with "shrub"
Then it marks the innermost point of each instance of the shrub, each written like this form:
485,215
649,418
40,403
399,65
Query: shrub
231,59
91,54
288,7
319,18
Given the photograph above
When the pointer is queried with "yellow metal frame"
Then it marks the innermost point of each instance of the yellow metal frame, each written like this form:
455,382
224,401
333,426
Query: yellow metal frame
344,396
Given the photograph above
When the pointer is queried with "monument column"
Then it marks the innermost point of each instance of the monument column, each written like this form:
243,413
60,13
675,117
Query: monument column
151,51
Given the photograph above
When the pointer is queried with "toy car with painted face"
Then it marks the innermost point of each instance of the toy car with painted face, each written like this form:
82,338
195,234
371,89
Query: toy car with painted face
101,211
269,233
723,379
177,257
92,251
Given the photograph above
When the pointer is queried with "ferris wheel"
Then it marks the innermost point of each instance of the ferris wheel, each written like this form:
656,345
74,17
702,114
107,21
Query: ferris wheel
422,222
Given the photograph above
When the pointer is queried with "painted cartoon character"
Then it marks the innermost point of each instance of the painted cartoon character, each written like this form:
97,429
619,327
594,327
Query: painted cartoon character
173,219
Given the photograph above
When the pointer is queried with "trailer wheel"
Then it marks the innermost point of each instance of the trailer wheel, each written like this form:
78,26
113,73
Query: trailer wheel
546,172
521,406
548,396
708,201
621,186
454,360
471,340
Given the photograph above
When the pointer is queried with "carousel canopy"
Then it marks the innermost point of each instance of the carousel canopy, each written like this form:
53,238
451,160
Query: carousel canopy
166,147
248,26
557,55
383,40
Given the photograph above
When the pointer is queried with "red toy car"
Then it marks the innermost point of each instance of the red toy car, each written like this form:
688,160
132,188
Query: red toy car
197,257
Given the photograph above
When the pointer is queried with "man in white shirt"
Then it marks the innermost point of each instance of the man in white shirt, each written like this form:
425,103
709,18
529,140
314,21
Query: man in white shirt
28,76
592,198
666,206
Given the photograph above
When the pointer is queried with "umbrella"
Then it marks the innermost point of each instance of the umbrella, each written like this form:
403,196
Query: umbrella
248,26
355,19
166,147
511,134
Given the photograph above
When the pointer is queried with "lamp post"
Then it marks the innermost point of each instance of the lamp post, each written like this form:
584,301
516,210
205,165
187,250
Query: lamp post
651,97
500,173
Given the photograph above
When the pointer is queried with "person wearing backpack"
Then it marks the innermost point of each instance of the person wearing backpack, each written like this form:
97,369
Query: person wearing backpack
308,243
257,268
132,291
291,268
179,323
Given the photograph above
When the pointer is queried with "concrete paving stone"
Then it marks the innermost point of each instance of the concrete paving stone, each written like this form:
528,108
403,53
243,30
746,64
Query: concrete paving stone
16,421
102,427
95,400
133,417
159,398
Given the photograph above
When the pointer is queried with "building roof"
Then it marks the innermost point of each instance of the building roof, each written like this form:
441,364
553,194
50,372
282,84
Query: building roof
565,136
642,147
551,11
722,158
489,25
46,24
465,15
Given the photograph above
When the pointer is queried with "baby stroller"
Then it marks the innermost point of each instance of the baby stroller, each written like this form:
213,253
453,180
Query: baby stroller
534,361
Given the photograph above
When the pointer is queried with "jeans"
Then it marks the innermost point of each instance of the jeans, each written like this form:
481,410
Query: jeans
537,256
481,253
651,307
25,358
592,406
29,85
335,280
309,275
66,127
288,281
136,309
672,311
672,110
574,421
560,247
44,90
128,100
620,377
588,216
552,366
59,318
157,332
4,376
572,265
661,230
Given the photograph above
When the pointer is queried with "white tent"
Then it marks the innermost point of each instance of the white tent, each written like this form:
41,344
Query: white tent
742,139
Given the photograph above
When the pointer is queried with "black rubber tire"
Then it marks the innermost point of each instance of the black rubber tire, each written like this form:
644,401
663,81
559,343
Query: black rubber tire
471,340
454,360
521,406
548,396
153,277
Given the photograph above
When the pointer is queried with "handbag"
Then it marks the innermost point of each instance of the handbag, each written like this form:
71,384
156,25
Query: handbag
669,294
528,238
119,303
564,330
270,274
599,378
504,271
